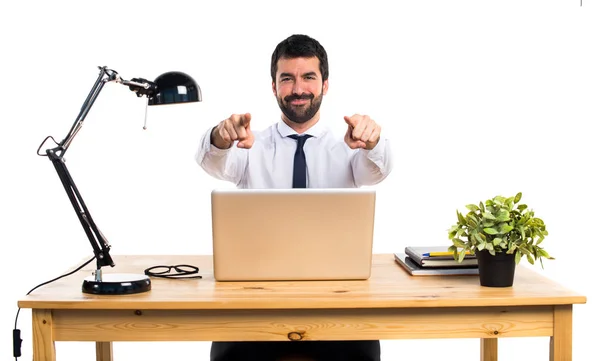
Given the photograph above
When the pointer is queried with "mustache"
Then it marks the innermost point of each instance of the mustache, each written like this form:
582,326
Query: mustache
292,97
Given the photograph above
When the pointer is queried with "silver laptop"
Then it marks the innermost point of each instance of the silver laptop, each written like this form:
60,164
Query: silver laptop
292,234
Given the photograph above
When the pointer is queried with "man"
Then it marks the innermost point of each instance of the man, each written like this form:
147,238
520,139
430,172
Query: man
300,152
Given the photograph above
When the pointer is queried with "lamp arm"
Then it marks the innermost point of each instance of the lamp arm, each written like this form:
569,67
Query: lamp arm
99,243
105,76
138,85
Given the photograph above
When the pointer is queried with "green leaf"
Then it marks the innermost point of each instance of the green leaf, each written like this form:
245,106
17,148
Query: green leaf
523,249
530,259
505,229
488,215
461,219
518,197
458,243
489,246
503,216
479,237
522,207
471,220
472,207
462,254
522,231
490,231
488,223
543,253
496,241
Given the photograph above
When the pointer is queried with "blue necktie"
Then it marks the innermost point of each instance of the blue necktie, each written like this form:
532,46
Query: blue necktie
299,179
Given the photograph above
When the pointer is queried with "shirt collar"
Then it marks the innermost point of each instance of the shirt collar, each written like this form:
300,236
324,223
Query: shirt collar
316,130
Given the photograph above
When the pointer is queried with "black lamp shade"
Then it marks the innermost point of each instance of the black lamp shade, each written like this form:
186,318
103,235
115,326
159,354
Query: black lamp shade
175,87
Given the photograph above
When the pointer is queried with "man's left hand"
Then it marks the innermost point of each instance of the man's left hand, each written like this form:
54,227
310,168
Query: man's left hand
362,132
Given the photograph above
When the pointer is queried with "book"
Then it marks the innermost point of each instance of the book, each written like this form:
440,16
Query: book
415,270
438,256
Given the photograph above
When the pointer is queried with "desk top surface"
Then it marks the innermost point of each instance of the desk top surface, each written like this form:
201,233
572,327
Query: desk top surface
389,287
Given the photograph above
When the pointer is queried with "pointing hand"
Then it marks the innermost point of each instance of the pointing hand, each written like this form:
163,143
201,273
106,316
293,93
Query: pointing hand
362,132
236,127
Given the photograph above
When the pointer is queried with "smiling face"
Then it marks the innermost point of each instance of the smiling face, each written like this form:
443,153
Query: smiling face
299,89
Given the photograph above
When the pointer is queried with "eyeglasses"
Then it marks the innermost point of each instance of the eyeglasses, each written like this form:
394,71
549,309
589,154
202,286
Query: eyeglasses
181,271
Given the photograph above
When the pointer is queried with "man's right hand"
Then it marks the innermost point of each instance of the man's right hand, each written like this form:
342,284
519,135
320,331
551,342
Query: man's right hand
236,127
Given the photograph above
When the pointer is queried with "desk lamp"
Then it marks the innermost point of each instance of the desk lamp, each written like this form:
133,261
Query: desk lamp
168,88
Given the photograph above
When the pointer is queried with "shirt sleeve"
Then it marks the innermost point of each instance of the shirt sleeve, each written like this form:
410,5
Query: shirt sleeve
370,167
224,164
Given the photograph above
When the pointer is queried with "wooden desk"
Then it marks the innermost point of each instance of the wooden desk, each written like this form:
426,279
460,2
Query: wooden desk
390,305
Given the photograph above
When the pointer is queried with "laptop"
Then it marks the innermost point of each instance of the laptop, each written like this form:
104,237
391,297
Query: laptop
292,234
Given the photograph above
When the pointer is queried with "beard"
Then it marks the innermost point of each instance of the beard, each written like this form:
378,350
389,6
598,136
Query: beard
303,113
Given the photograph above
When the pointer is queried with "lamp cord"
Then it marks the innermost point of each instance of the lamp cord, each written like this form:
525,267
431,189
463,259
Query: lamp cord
16,332
44,142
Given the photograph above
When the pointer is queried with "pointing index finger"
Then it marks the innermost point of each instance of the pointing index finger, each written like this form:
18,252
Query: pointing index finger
351,121
246,119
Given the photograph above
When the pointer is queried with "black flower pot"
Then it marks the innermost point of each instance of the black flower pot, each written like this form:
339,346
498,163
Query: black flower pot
495,271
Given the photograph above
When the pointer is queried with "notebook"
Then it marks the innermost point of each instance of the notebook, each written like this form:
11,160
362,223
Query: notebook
415,270
437,256
292,234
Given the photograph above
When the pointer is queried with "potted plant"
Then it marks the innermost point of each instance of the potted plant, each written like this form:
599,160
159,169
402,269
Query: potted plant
499,233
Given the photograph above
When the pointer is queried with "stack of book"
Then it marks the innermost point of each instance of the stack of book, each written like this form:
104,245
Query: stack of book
435,260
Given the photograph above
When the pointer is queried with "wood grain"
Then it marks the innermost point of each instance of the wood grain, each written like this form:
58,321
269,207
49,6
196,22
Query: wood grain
104,351
561,343
43,337
390,305
389,287
284,325
489,349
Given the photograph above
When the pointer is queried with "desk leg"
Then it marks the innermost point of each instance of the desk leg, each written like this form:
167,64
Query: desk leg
489,349
104,351
43,341
561,343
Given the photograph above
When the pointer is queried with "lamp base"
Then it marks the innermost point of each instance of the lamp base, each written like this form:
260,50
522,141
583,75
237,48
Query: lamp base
117,284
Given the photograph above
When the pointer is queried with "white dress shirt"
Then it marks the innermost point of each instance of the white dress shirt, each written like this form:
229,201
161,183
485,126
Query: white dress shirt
269,163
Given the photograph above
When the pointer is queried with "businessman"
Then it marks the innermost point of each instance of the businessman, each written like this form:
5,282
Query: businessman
298,151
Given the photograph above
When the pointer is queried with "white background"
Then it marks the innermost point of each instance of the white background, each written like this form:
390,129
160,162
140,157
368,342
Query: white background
479,98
